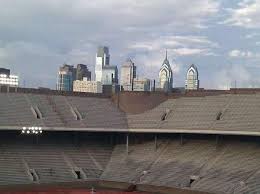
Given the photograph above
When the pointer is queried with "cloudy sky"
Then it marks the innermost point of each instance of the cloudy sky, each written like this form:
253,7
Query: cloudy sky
222,37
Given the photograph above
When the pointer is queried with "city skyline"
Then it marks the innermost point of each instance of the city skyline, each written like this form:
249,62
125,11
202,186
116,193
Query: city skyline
221,38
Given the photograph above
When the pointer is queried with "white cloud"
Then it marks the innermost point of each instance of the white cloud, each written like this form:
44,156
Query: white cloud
252,35
243,54
56,31
149,54
190,51
246,15
180,45
234,76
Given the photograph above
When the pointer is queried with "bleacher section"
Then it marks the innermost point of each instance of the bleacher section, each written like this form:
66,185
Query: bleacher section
98,112
196,165
51,160
18,109
231,112
130,167
66,151
224,112
231,166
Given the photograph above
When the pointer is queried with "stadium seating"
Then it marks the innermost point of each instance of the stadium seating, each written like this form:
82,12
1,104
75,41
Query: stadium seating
198,164
223,112
15,110
47,161
99,112
59,111
50,116
235,112
233,166
12,170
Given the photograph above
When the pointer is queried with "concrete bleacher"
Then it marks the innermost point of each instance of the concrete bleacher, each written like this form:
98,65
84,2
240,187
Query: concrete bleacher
59,111
178,162
15,110
231,166
12,170
99,112
196,165
25,162
50,117
89,157
230,112
236,113
130,167
185,113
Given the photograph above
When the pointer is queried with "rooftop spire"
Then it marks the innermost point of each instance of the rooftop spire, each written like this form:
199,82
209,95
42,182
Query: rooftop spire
166,54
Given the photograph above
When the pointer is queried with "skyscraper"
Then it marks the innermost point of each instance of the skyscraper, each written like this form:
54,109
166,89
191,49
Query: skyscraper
192,78
66,76
109,75
165,76
102,59
128,73
83,72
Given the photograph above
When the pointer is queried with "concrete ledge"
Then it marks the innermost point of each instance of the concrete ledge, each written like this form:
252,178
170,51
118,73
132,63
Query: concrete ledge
125,130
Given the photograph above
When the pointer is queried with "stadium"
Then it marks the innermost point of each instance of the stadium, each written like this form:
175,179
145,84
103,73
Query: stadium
132,142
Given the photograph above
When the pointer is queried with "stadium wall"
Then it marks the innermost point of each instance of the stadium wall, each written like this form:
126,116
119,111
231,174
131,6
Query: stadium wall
139,102
97,185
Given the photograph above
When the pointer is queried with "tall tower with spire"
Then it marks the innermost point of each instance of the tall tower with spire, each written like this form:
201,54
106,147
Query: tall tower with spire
192,78
165,75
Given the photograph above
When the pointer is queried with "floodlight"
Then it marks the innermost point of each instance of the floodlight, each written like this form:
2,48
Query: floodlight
31,130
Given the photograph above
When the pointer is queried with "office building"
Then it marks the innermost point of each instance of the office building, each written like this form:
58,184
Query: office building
109,75
192,78
87,86
66,76
102,59
142,85
6,79
83,72
165,76
128,74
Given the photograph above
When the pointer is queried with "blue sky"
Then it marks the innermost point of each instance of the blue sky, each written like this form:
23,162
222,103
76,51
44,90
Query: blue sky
221,37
